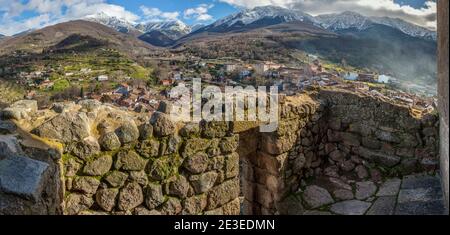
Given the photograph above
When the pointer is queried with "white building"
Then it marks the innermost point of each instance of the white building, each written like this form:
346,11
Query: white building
230,68
102,78
264,67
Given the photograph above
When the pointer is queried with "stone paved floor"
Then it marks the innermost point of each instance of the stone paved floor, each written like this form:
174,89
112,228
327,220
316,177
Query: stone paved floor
412,195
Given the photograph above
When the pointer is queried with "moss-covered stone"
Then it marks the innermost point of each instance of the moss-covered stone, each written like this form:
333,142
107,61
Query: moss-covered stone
106,198
130,197
148,148
229,144
190,130
231,165
164,167
85,184
194,205
109,141
116,179
196,163
214,129
128,132
194,145
129,160
153,196
99,166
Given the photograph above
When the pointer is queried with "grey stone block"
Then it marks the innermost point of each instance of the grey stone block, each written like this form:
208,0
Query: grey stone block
23,177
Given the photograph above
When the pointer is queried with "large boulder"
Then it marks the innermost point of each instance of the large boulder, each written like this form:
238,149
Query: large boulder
63,107
20,110
66,127
90,105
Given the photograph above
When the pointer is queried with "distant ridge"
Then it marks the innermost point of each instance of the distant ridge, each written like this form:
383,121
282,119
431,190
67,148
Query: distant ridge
39,40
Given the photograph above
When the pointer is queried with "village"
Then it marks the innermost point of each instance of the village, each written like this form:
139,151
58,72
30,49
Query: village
135,94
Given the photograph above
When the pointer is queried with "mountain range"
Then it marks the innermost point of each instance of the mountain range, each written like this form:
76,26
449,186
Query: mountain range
258,17
383,44
166,33
348,20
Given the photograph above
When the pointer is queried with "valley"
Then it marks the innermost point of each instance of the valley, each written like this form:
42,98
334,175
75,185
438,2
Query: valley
88,108
99,54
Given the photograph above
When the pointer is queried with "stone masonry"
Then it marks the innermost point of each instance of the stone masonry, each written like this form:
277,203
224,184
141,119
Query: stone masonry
115,162
443,77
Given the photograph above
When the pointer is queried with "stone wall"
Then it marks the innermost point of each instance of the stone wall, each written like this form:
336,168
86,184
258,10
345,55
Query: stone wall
116,162
337,135
385,134
282,158
443,90
154,168
29,175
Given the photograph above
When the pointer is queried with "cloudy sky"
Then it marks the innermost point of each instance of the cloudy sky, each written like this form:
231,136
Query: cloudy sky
21,15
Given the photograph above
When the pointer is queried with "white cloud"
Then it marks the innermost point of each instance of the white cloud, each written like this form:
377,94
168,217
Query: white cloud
10,27
51,12
424,16
199,13
155,14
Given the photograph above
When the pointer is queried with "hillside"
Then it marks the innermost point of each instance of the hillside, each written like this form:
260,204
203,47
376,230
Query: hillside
157,38
38,41
253,44
379,47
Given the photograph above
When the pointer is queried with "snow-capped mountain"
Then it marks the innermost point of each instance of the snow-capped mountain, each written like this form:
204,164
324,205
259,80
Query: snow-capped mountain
250,16
196,27
344,20
352,20
174,29
258,17
407,28
167,32
118,24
